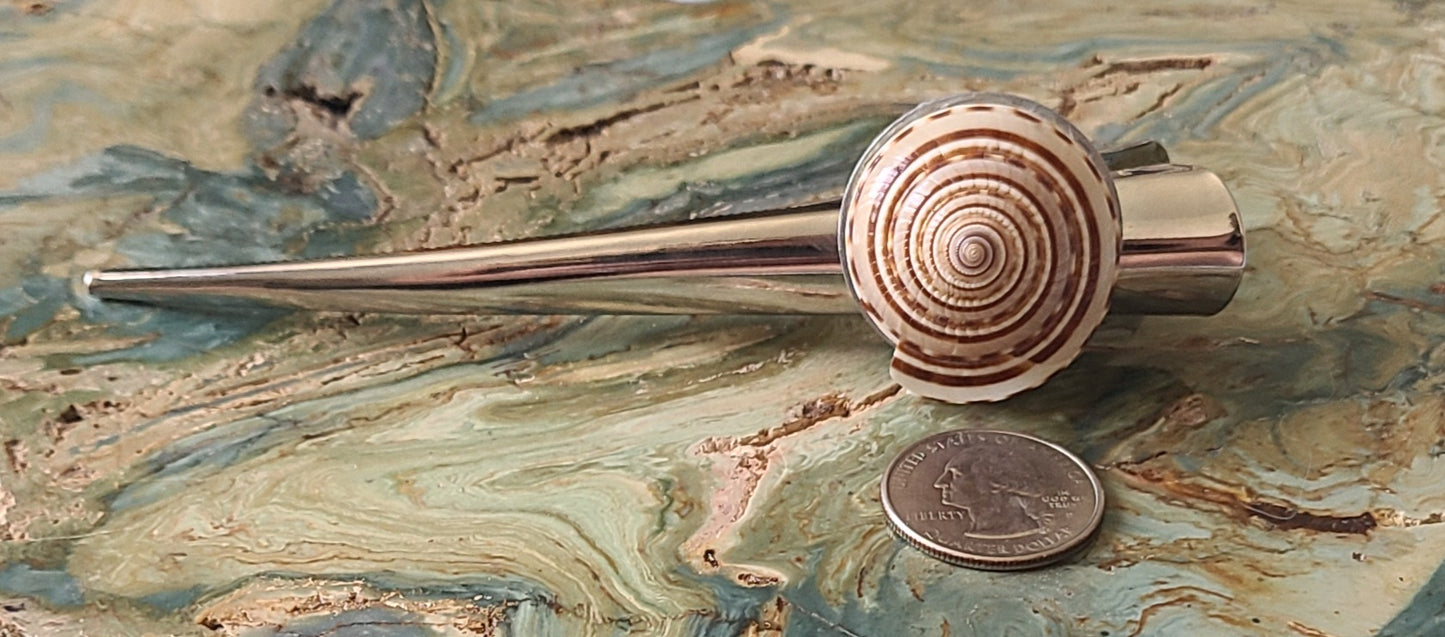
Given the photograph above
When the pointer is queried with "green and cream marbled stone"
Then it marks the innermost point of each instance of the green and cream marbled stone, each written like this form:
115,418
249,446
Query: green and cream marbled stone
1273,470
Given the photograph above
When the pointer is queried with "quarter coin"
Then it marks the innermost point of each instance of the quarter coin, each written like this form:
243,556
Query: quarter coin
993,500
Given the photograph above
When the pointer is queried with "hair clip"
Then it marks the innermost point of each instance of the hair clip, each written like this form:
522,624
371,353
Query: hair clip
983,235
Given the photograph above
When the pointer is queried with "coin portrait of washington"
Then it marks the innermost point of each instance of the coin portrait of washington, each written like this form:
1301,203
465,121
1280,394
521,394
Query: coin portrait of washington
1002,499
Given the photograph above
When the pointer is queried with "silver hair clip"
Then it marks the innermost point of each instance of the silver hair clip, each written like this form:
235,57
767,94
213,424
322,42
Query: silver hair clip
983,235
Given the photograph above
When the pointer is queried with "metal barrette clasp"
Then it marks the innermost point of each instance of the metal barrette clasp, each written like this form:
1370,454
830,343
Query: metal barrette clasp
983,235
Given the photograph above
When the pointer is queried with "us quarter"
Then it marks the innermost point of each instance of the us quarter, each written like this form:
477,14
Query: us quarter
993,500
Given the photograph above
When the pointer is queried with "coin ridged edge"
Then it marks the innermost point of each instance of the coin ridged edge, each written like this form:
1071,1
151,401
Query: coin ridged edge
996,564
1069,550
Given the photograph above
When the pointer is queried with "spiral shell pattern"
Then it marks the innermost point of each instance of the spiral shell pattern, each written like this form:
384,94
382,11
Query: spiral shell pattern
981,235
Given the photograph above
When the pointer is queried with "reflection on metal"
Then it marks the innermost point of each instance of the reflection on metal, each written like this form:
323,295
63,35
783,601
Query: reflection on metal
1181,251
1183,254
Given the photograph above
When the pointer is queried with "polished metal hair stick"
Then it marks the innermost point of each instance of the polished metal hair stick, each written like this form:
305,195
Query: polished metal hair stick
982,234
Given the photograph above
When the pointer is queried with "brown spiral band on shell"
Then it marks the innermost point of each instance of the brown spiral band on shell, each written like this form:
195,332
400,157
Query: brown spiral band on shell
981,235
